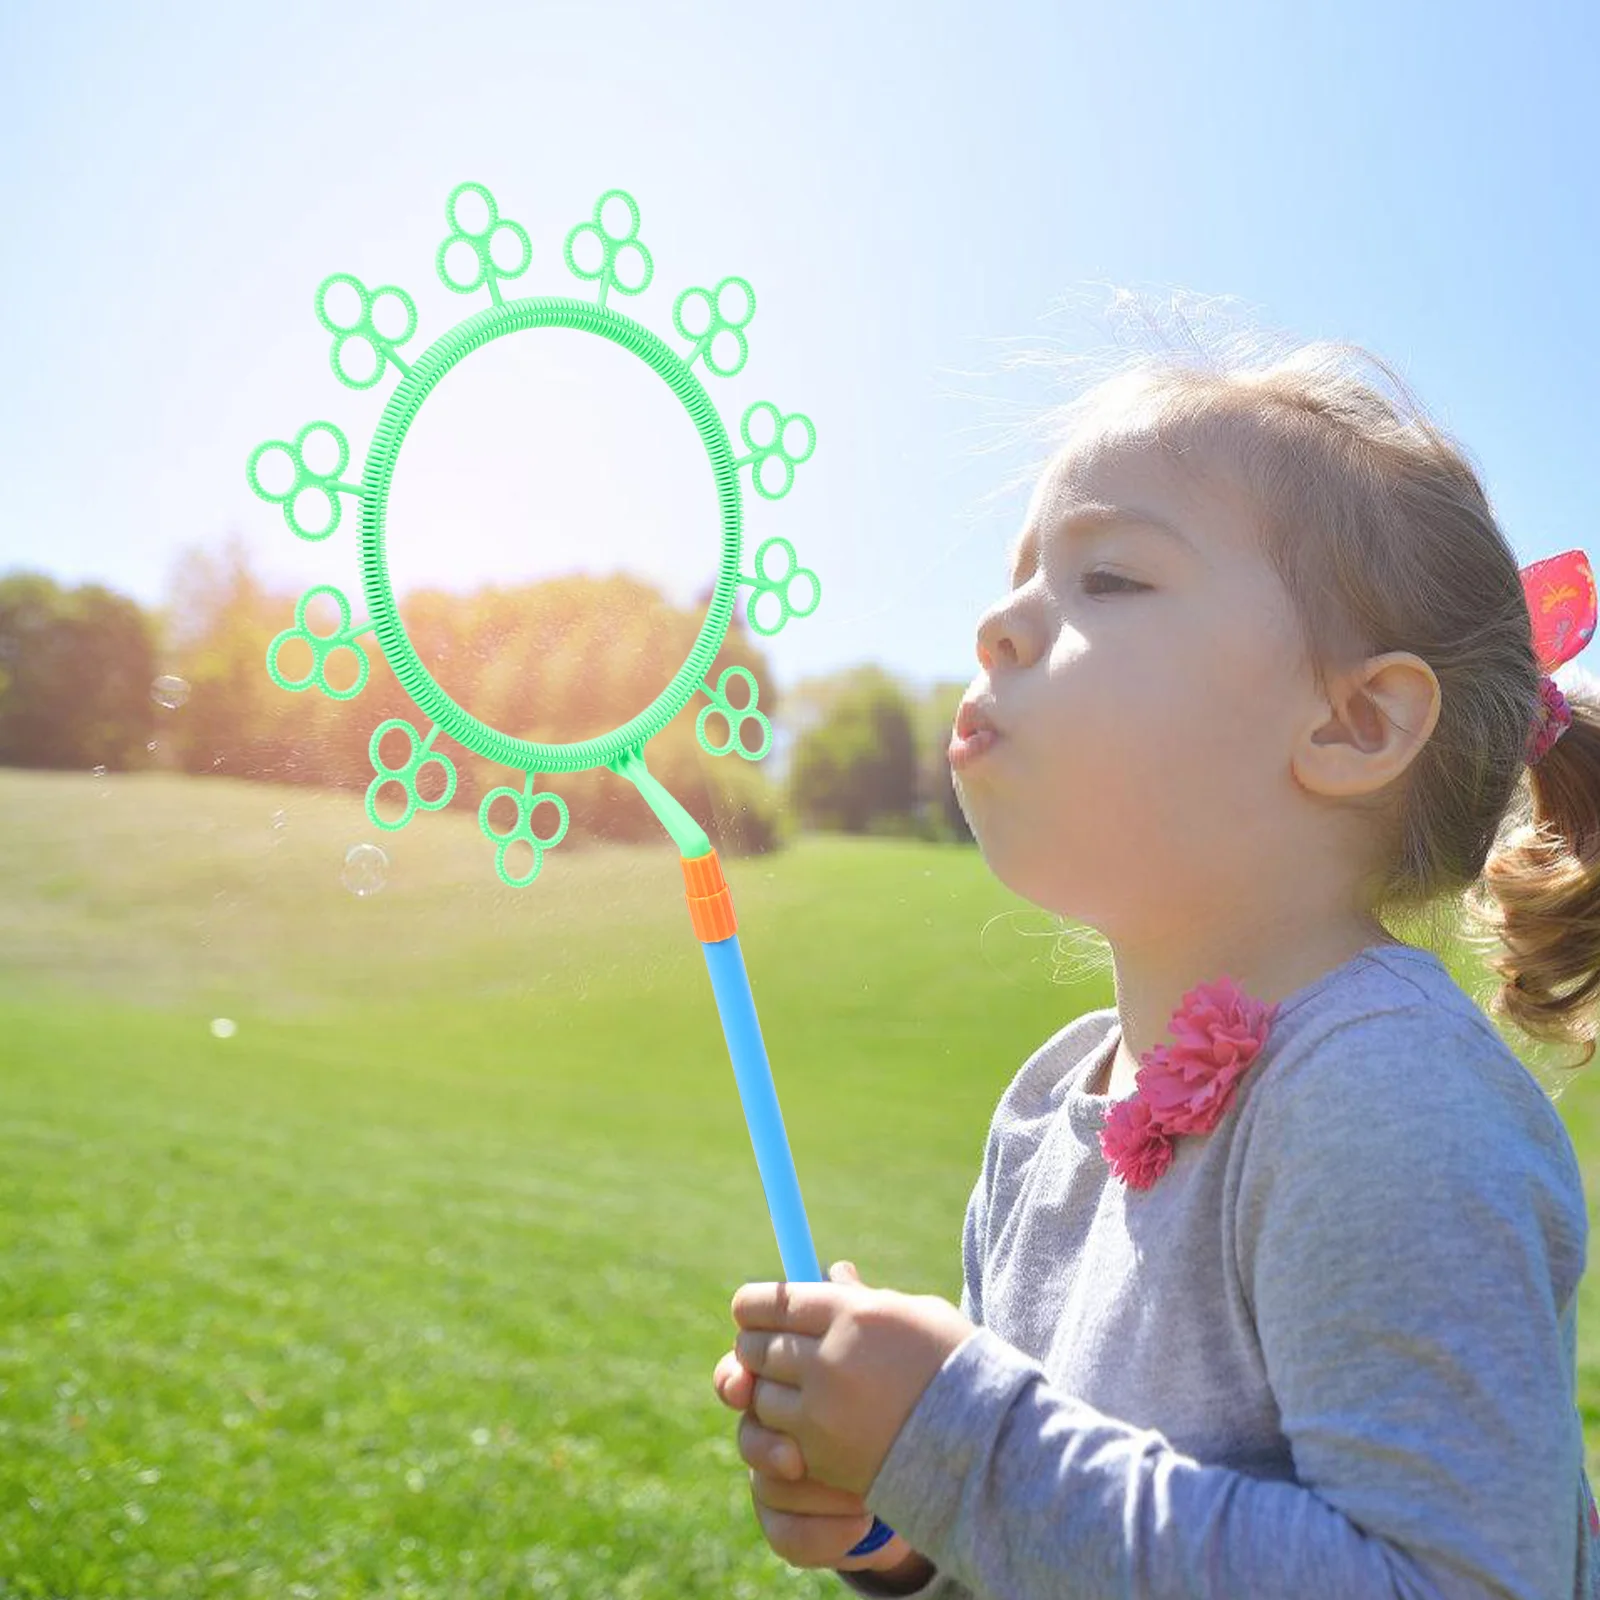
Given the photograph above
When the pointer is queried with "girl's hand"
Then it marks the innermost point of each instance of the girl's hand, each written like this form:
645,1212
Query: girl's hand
839,1367
807,1523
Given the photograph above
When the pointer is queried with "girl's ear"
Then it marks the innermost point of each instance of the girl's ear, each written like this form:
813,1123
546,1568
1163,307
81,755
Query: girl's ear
1384,712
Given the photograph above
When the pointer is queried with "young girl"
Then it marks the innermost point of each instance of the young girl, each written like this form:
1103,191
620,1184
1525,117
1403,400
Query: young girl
1273,1265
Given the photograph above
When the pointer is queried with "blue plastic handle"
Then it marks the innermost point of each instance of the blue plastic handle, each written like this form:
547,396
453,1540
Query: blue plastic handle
731,985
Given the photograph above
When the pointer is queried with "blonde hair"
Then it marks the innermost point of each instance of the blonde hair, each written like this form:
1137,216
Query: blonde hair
1379,529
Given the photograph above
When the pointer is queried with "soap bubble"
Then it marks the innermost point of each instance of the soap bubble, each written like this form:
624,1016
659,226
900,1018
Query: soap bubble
151,747
366,869
99,772
280,819
169,691
223,1028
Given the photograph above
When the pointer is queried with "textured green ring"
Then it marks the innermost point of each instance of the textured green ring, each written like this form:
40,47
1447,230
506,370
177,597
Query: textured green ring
430,698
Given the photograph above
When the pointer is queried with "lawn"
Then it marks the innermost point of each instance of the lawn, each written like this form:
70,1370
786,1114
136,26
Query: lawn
412,1283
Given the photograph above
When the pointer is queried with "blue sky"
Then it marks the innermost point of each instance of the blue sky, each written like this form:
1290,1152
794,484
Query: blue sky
915,192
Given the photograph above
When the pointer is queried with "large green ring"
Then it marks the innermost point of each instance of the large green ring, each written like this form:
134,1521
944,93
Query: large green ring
543,312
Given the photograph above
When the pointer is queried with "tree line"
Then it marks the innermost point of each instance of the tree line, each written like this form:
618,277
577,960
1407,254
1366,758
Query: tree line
557,661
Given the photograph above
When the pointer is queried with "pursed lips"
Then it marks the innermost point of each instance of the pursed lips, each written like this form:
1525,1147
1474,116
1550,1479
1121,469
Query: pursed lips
973,716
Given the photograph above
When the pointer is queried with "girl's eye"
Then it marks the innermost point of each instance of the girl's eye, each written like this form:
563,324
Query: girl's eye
1126,585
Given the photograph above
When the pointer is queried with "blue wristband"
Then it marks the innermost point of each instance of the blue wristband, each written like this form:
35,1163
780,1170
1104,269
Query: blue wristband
881,1534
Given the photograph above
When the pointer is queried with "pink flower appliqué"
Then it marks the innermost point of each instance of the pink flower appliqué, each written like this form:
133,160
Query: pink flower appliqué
1187,1086
1139,1152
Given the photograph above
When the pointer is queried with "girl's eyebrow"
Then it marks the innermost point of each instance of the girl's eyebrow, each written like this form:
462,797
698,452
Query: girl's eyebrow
1093,518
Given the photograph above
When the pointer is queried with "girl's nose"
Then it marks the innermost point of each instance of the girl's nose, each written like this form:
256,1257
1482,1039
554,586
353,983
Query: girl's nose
999,636
1002,641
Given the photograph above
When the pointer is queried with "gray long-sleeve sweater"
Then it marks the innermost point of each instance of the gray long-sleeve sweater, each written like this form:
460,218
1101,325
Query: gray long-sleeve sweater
1329,1353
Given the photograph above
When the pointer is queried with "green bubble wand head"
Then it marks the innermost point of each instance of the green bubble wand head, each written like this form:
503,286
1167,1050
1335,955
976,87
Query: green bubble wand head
622,750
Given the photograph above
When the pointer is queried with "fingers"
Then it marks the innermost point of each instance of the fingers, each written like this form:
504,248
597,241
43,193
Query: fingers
734,1383
762,1448
808,1524
805,1498
775,1454
815,1541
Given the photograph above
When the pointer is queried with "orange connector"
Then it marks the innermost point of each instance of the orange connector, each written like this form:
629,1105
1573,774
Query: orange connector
710,903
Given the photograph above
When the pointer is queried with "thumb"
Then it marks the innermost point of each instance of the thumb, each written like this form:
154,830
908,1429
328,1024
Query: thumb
844,1272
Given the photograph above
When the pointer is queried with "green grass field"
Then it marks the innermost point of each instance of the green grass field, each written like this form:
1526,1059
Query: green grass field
414,1285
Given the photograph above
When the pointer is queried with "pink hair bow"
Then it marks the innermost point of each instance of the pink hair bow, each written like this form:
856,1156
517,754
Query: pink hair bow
1561,604
1561,601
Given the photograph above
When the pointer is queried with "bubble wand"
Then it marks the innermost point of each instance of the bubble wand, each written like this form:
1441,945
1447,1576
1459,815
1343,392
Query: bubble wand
621,750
